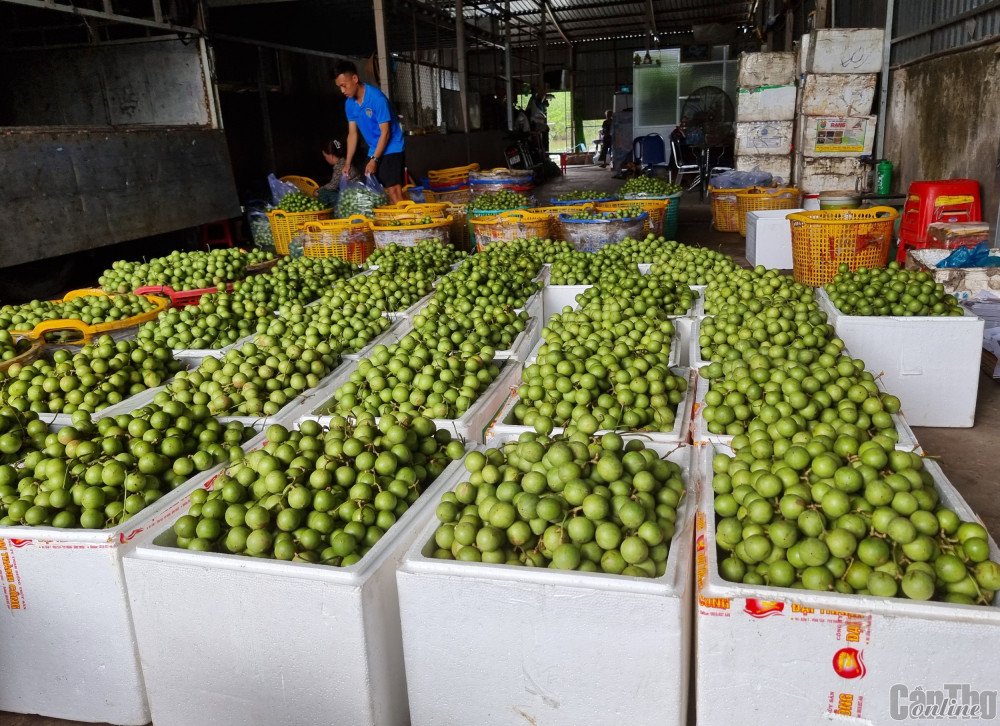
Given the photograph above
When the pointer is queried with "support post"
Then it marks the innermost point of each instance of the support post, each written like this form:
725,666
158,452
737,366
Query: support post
265,114
463,77
380,46
883,94
822,14
508,69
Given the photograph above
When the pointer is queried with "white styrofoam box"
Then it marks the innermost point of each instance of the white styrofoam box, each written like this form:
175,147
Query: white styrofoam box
825,174
830,657
393,334
803,53
556,297
551,647
845,50
930,363
694,347
69,649
766,103
523,343
769,238
470,427
837,136
764,138
765,69
779,167
673,359
504,428
701,435
226,639
836,94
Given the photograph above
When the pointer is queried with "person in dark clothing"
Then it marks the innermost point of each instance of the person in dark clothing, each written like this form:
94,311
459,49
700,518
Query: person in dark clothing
607,137
333,152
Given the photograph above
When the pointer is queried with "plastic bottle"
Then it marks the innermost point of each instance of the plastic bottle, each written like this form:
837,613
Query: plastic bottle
883,177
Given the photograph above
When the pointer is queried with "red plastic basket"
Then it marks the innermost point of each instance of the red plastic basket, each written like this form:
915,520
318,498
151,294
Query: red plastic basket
182,298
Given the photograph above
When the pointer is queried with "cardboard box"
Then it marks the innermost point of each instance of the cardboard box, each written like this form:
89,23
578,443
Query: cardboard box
766,103
787,657
820,174
837,136
764,138
962,282
769,238
930,363
226,639
835,94
845,50
545,646
765,69
779,167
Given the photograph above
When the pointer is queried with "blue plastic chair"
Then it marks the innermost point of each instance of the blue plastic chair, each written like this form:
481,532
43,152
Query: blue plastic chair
650,152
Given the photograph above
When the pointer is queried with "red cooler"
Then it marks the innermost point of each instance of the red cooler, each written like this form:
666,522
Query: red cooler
947,200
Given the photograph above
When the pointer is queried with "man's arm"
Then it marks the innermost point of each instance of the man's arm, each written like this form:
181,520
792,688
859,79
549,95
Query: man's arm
379,150
352,145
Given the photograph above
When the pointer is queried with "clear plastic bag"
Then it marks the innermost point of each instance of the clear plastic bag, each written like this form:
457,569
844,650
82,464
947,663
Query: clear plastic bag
360,197
741,179
279,188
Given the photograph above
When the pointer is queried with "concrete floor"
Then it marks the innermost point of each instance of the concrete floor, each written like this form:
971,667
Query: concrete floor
965,454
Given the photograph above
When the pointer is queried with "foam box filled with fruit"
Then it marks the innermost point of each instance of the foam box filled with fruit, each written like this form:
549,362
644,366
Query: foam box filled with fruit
931,361
281,607
839,601
69,648
573,595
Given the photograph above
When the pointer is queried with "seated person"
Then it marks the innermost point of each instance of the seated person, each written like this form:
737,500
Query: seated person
679,141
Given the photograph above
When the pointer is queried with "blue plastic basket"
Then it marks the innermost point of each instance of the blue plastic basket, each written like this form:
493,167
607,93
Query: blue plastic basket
572,202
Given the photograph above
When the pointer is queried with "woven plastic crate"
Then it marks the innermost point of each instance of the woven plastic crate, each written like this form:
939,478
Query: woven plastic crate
590,235
823,240
554,212
306,185
461,195
508,226
89,332
410,210
725,209
287,225
349,239
655,208
444,176
412,235
755,199
577,202
182,298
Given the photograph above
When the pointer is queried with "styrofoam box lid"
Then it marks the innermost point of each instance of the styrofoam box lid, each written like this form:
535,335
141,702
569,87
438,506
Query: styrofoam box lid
157,542
717,587
418,559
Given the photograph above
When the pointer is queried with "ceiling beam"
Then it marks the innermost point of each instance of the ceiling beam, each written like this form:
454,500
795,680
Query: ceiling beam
702,12
110,16
555,22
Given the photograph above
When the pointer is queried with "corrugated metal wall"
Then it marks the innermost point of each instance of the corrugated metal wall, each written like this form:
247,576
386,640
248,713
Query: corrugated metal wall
925,27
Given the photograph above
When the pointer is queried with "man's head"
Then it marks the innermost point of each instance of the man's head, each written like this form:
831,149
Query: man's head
608,114
345,75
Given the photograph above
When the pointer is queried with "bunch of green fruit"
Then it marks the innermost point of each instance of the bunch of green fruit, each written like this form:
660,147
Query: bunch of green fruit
360,200
782,396
585,268
579,195
411,378
90,309
251,380
321,327
523,252
319,496
759,283
741,330
181,270
410,222
693,265
300,202
10,348
634,294
568,503
647,186
21,432
100,374
380,290
617,377
500,201
429,256
845,515
631,212
890,291
99,475
219,319
487,284
298,280
467,327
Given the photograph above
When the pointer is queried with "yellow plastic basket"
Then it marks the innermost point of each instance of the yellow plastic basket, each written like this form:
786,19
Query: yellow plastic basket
656,210
410,210
553,212
756,198
456,174
304,183
725,209
508,226
459,196
349,239
411,235
823,240
89,332
286,225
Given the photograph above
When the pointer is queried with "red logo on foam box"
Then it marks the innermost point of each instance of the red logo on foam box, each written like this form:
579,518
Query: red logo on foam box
763,608
849,663
124,538
20,542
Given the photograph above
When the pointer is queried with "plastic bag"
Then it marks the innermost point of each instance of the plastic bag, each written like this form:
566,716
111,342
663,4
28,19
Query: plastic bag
279,188
360,197
741,179
967,256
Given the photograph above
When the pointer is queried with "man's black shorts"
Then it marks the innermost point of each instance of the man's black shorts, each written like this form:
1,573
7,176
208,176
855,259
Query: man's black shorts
390,170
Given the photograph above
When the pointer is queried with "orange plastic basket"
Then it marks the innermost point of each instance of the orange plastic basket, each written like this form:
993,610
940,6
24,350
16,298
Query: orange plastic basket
823,240
349,239
757,198
455,174
508,226
725,209
410,210
286,225
656,211
304,183
87,331
554,212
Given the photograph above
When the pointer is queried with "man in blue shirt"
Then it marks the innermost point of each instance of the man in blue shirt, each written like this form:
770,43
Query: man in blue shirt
368,109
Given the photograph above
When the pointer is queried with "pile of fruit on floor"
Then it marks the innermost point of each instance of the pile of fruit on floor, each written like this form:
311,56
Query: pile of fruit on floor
440,488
